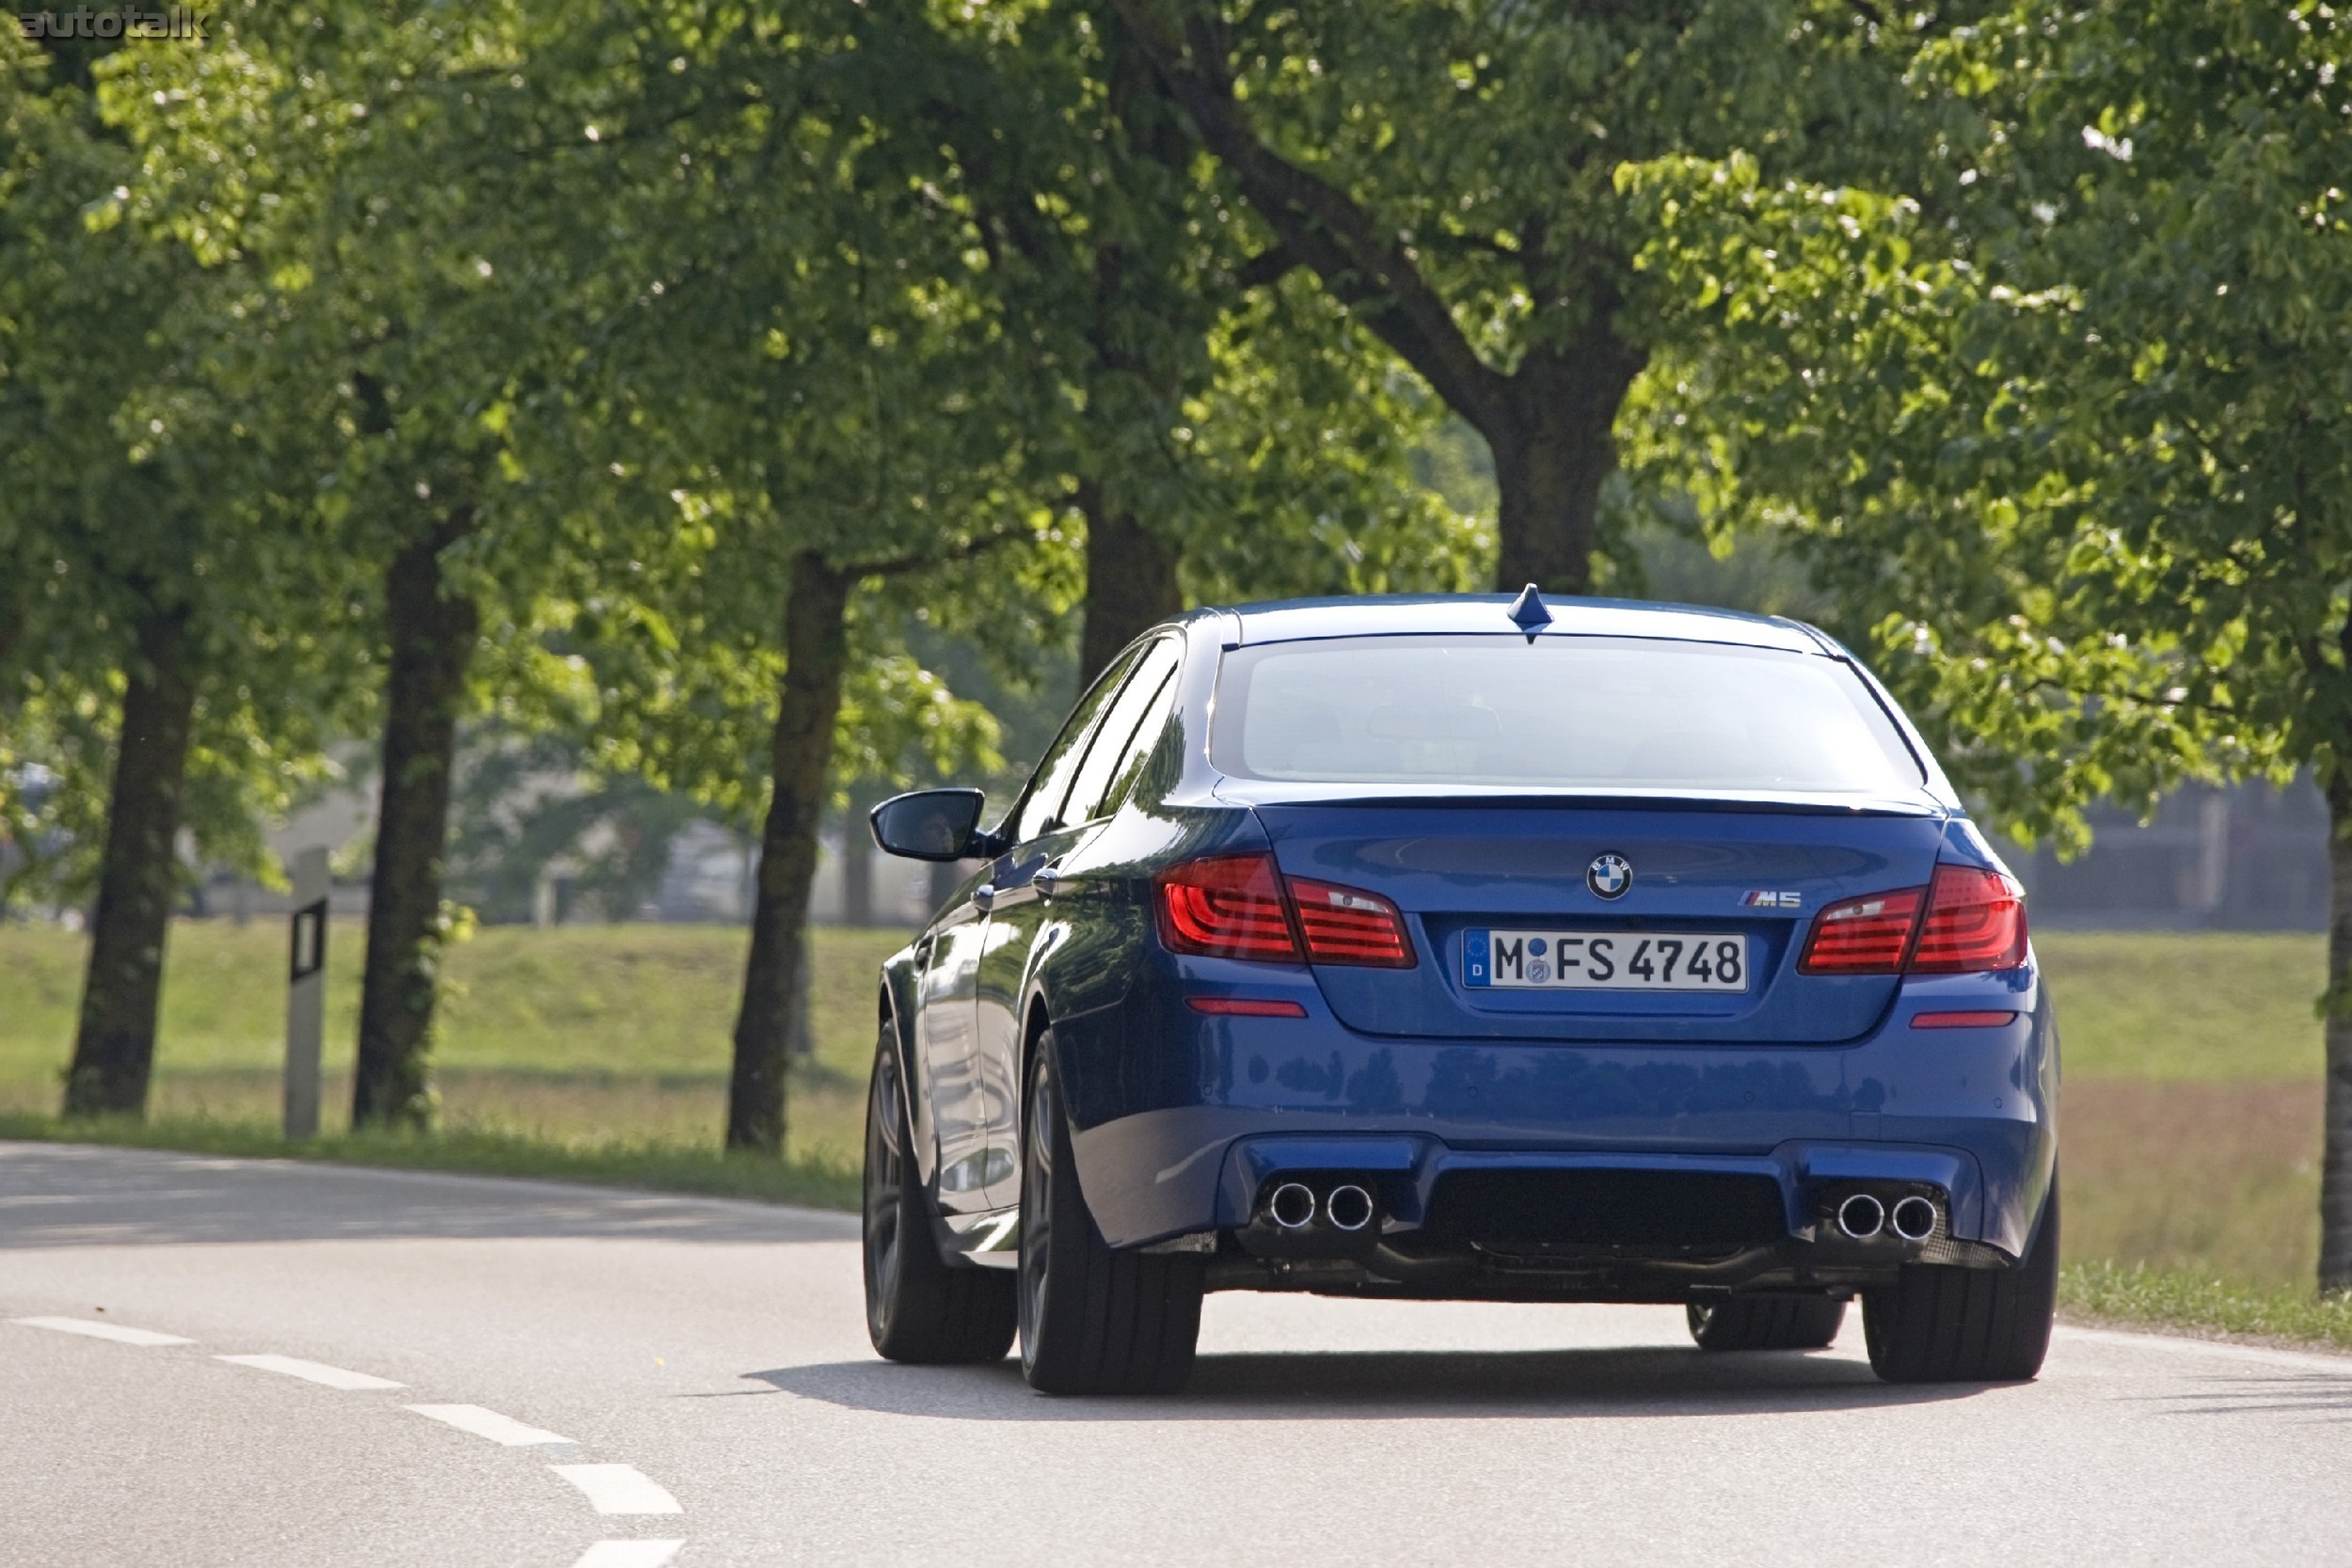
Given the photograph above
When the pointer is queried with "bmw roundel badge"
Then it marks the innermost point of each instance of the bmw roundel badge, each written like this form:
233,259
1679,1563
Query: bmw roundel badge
1609,875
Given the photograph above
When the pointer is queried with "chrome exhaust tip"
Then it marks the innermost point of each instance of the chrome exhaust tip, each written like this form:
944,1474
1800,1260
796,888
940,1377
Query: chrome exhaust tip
1293,1206
1914,1219
1349,1207
1861,1216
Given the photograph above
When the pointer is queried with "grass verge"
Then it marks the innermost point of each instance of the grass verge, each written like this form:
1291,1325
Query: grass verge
817,1182
2176,1300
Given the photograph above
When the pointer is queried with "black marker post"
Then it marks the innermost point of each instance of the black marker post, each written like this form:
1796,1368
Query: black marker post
306,993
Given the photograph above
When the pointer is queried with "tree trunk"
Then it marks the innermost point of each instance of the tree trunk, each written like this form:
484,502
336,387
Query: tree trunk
1131,582
1553,449
113,1047
433,636
815,639
2335,1165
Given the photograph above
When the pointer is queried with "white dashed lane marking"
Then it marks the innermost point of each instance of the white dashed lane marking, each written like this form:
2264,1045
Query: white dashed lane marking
116,1332
629,1554
314,1372
486,1423
611,1489
619,1489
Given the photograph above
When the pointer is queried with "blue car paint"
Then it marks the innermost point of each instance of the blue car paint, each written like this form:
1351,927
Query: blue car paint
1176,1115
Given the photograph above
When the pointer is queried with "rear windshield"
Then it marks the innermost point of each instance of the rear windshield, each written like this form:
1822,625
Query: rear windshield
1580,712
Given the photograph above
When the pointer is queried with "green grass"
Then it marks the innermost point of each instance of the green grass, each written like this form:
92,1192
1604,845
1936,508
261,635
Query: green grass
2107,1292
606,999
576,1034
2174,1004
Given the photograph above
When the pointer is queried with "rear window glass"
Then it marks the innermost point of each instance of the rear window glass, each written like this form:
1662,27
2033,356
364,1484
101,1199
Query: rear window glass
1584,712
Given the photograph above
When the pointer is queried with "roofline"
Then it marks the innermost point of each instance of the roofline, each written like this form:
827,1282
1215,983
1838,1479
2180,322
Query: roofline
1730,625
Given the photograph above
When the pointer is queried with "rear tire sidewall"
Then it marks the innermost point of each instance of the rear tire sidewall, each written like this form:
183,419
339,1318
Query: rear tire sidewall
1045,1207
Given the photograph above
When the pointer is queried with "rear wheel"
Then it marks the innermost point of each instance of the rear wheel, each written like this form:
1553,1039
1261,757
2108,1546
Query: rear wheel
1766,1322
1945,1324
919,1307
1092,1321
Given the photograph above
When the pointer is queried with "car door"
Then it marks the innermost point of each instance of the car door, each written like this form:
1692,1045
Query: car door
1021,914
1008,898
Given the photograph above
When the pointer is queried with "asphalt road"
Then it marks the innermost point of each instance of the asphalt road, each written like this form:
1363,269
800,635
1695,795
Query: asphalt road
613,1379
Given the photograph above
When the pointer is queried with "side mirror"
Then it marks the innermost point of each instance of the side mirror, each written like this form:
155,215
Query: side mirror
931,825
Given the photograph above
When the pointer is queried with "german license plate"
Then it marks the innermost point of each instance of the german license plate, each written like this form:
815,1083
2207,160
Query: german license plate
1610,960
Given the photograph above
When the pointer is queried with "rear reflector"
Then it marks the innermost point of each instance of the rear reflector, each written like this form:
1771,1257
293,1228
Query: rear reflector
1348,926
1969,921
1226,908
1244,1007
1861,936
1982,1018
1975,922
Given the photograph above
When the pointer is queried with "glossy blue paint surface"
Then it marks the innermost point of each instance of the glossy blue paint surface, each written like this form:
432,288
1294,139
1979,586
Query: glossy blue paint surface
1154,1141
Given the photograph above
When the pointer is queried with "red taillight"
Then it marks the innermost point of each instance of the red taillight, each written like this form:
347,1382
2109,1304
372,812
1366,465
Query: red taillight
1348,926
1227,908
1233,907
1861,936
1244,1006
1976,921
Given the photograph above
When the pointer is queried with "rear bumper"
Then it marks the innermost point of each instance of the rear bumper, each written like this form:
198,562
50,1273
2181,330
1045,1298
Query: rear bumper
1182,1120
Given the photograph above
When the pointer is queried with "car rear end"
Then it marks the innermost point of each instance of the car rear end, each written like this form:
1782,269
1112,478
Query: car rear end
1645,957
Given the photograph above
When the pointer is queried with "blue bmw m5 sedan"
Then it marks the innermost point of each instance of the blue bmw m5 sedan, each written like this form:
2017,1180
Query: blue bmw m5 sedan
1466,947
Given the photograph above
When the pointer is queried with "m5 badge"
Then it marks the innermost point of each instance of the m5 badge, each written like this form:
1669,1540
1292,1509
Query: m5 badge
1766,899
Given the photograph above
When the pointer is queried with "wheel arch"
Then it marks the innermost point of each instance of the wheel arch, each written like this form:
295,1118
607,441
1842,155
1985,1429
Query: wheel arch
1036,1019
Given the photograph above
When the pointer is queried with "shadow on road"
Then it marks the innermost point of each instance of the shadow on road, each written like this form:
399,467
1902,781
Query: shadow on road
58,1196
2309,1393
1642,1381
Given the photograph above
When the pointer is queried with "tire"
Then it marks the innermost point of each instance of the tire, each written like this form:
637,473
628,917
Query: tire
918,1307
1092,1321
1766,1322
1945,1324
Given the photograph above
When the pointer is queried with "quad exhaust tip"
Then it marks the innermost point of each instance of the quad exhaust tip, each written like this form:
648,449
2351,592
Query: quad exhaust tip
1293,1206
1914,1219
1349,1207
1863,1216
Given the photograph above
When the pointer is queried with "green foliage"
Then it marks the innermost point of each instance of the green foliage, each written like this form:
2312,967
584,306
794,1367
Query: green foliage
1301,450
132,485
2062,410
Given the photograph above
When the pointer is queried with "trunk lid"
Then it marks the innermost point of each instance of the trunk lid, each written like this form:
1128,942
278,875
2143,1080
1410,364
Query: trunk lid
1459,867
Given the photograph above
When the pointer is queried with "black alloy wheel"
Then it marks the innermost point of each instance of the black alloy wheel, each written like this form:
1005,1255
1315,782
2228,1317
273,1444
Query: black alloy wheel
1940,1323
1766,1322
1093,1320
918,1307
